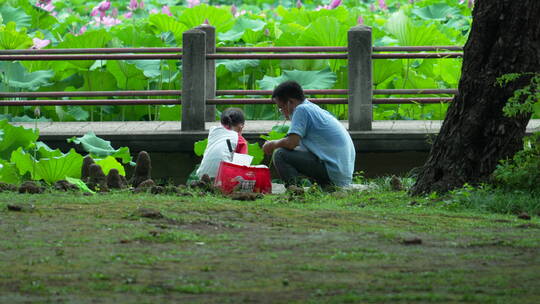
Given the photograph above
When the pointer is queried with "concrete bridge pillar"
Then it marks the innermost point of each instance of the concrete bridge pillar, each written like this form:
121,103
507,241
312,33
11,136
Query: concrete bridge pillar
360,78
193,80
210,70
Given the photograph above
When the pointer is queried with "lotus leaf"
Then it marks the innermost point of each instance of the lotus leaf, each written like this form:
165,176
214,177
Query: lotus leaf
12,138
12,14
48,169
16,76
100,148
109,163
309,80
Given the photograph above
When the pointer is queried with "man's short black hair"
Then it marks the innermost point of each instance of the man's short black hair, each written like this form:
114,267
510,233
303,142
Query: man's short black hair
288,89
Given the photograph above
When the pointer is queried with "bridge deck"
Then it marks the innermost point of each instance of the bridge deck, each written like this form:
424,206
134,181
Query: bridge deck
167,136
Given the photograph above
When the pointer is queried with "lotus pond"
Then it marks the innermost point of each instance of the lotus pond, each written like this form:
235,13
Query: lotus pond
160,23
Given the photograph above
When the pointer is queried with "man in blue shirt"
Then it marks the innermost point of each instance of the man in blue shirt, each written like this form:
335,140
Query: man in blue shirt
317,145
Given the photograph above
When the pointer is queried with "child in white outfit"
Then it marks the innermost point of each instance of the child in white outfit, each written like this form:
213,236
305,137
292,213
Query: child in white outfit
232,123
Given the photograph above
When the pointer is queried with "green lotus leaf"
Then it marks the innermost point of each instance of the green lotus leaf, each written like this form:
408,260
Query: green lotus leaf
220,18
200,146
256,151
90,39
409,34
437,11
132,36
170,112
242,24
150,68
79,183
261,112
9,173
17,15
100,148
164,23
326,31
26,118
48,169
236,66
109,163
41,19
102,80
75,112
12,138
44,151
309,80
384,69
16,76
128,76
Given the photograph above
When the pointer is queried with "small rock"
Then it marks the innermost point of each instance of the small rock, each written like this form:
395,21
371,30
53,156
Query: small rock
143,169
97,180
7,187
145,186
413,203
85,170
395,183
64,185
524,216
295,190
412,241
149,213
21,207
30,187
245,196
170,189
115,180
157,190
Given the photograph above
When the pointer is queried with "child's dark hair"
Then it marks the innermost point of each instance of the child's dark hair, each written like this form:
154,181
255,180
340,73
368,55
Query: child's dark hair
231,117
288,89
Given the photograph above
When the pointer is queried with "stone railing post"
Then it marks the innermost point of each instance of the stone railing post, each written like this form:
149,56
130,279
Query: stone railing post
193,80
360,78
210,70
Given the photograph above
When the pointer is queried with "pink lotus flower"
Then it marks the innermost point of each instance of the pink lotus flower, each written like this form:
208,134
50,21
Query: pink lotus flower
360,20
141,4
298,3
206,22
154,11
104,5
40,43
45,4
130,14
133,4
382,5
334,4
82,30
101,8
106,21
233,10
192,3
165,10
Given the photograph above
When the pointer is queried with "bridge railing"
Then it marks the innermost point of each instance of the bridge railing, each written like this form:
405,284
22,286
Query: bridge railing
199,96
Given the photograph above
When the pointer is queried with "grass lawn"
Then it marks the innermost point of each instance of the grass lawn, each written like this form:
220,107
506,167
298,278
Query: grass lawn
374,246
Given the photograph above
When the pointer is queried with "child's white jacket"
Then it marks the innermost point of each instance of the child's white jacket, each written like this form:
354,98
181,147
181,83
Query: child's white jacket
217,150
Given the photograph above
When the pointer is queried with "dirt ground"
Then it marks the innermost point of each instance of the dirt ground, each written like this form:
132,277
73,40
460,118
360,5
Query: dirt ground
356,248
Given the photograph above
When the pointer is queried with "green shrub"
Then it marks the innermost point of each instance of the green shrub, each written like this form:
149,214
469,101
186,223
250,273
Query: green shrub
522,172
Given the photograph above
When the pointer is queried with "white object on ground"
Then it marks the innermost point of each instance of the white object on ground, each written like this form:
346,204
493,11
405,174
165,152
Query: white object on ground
242,159
356,187
278,188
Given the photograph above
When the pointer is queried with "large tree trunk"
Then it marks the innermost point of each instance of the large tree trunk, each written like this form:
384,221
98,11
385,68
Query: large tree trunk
504,38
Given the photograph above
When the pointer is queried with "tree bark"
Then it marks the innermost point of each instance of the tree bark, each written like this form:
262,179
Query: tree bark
475,135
